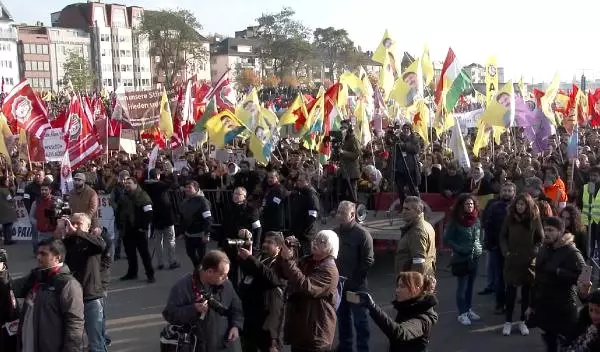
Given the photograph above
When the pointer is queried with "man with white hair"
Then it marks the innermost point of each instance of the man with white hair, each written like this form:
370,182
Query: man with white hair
354,260
84,258
312,294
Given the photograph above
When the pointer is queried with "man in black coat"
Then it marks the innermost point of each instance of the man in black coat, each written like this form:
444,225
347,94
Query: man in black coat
163,220
275,208
262,294
305,212
406,165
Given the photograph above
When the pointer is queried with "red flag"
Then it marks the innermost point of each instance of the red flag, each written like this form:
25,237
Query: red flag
82,144
24,109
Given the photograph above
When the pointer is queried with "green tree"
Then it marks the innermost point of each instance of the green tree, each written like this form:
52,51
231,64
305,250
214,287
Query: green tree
78,72
174,41
284,41
336,49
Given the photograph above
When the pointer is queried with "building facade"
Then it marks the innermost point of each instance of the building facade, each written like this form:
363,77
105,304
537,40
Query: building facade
120,57
9,67
63,42
34,56
235,54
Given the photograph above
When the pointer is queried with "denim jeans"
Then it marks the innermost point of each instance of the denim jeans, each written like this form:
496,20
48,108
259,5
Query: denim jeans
107,338
93,313
346,312
464,290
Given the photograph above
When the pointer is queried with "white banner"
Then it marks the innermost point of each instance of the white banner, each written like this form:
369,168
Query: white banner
22,227
54,144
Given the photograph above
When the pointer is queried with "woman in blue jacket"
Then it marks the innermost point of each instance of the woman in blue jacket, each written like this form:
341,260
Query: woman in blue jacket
462,236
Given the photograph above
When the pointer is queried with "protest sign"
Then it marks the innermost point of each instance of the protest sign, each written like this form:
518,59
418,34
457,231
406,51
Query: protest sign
143,108
54,144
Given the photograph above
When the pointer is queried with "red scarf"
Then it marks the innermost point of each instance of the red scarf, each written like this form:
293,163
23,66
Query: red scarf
51,272
469,219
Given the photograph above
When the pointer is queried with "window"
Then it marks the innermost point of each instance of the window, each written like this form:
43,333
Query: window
47,83
34,82
122,53
104,52
27,65
45,49
9,81
26,49
104,37
10,64
46,66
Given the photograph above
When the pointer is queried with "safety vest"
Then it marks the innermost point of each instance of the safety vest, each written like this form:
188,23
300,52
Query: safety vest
585,210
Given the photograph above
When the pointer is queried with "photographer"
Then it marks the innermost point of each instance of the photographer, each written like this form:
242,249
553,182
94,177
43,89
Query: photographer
84,258
407,170
241,218
262,296
9,309
40,209
349,165
206,301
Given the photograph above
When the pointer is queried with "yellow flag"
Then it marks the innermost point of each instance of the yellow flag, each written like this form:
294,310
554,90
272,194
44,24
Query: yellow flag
482,139
409,87
249,110
491,78
523,88
362,123
223,128
289,117
165,123
419,113
5,132
501,111
427,67
386,53
549,97
364,78
353,82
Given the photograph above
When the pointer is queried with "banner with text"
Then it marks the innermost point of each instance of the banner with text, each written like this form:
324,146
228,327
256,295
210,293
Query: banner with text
143,108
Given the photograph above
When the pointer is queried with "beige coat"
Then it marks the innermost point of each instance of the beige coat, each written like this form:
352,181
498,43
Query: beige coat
416,241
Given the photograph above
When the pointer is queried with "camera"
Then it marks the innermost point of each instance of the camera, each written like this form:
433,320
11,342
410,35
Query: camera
291,242
239,243
59,210
3,256
213,303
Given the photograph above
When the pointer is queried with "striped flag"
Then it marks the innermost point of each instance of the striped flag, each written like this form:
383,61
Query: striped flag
452,83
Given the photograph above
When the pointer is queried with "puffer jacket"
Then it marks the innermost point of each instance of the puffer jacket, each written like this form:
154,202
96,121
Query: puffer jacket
465,242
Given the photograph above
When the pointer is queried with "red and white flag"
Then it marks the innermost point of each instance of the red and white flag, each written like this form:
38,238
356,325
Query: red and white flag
23,108
82,144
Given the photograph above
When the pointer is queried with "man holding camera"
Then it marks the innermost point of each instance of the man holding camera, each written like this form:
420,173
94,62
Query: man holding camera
84,257
236,230
262,293
206,301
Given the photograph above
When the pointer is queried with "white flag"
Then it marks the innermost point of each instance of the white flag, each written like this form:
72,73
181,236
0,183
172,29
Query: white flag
152,158
66,176
457,144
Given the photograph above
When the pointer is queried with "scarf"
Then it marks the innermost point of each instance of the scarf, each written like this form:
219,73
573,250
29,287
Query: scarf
469,219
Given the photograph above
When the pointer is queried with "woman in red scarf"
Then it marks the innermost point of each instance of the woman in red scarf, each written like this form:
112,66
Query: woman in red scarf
462,236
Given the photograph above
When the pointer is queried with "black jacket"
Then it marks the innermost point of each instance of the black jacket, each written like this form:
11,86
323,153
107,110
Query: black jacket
32,193
9,312
196,216
355,256
162,215
262,294
305,203
242,216
135,211
553,296
106,260
493,218
84,258
411,330
275,208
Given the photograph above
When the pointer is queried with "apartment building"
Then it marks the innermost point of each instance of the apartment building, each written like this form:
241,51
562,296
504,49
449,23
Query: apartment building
63,42
120,57
34,56
9,67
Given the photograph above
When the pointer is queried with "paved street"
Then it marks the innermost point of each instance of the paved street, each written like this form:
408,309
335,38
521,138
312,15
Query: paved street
135,321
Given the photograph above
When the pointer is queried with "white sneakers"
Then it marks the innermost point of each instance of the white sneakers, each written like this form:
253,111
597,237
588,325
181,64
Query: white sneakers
464,319
507,328
468,317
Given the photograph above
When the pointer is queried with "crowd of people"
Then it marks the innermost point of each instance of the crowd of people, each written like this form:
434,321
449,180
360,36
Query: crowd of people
277,279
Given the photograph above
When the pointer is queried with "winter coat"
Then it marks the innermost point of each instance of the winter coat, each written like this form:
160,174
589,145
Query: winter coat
493,216
8,214
553,296
464,242
520,242
411,330
180,310
310,311
349,157
162,215
416,241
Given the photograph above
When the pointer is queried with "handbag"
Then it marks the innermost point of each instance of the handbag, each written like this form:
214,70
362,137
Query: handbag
460,268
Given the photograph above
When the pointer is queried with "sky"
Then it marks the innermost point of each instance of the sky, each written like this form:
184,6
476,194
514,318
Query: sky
532,38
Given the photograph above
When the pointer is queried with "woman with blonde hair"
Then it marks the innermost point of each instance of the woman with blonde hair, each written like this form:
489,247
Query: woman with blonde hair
415,305
520,239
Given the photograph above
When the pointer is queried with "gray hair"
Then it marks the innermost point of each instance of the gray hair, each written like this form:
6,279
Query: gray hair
329,242
347,206
84,217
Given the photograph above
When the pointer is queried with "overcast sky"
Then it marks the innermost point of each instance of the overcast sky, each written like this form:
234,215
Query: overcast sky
533,38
